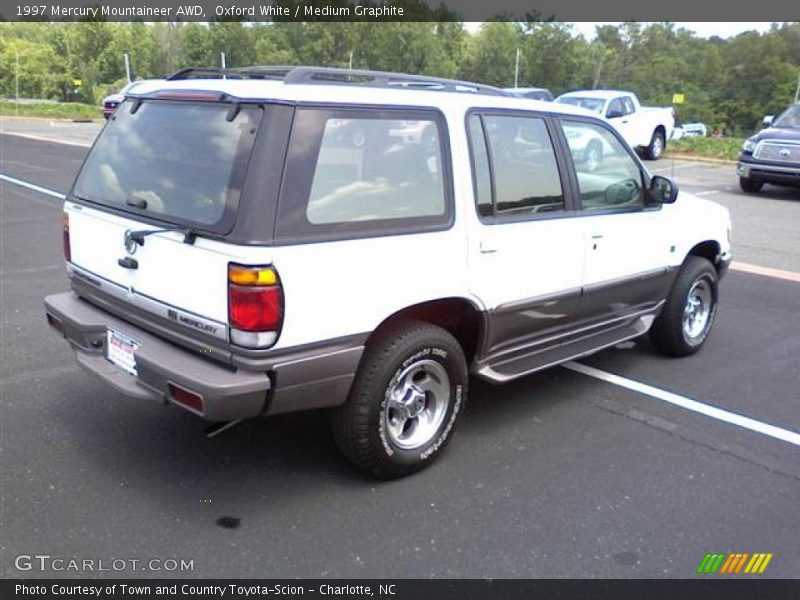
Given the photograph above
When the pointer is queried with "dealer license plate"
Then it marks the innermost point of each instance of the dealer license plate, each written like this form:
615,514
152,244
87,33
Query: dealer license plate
121,350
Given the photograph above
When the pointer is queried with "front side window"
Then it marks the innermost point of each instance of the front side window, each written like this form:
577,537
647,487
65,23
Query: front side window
608,176
175,161
615,108
524,172
361,170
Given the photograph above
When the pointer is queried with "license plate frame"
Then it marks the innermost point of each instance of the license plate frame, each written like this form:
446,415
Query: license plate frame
121,351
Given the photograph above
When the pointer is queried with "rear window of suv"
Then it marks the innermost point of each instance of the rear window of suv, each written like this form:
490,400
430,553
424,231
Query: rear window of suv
181,162
360,172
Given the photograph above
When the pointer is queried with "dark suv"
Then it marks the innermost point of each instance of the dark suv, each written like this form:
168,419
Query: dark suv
773,154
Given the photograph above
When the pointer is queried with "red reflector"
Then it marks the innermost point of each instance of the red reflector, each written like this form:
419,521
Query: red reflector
185,397
254,308
67,249
54,323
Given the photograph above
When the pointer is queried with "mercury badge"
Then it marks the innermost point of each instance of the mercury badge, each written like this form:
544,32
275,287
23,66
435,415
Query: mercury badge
130,243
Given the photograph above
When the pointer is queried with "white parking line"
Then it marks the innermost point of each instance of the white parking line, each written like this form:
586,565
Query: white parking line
42,138
672,168
708,193
31,186
772,431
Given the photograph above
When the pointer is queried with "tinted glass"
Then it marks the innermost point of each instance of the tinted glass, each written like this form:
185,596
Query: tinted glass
789,119
627,104
615,107
177,161
608,176
594,104
480,167
526,178
376,169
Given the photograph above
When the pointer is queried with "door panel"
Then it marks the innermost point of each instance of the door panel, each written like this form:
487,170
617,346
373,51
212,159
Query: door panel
526,268
626,251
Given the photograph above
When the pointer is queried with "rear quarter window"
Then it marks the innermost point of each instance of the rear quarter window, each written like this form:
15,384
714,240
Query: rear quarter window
363,172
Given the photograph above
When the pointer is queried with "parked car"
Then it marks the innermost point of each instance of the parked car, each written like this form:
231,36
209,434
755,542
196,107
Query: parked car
230,252
112,101
533,93
643,127
773,154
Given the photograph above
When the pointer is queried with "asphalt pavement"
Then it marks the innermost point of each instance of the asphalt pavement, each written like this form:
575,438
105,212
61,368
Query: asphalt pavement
556,475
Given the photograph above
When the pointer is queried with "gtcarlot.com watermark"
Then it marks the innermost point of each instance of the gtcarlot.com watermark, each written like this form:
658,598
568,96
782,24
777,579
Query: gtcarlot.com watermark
46,562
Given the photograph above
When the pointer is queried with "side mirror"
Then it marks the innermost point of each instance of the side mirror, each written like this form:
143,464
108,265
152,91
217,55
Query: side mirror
662,190
613,114
767,121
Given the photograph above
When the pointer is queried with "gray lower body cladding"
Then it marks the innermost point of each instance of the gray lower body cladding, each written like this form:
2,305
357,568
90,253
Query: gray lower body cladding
312,378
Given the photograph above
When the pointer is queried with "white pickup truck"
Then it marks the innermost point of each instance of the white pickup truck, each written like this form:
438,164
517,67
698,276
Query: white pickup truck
643,127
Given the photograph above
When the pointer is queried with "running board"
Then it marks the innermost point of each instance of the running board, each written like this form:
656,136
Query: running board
502,371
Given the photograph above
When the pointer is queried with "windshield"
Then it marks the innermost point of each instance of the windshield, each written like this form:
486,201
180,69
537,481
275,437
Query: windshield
179,162
593,104
789,119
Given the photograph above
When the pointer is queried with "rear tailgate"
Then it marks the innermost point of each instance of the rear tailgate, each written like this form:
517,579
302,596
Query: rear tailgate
190,277
164,164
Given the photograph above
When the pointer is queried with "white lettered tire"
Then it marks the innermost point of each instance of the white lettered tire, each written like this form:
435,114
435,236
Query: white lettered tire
406,399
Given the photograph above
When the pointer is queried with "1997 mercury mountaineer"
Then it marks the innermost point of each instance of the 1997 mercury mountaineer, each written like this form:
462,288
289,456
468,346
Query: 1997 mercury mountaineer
288,239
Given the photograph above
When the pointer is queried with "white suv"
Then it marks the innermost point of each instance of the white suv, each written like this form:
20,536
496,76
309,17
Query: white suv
289,239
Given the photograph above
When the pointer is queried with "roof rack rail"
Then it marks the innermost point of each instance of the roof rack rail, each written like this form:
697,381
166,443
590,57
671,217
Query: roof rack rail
336,76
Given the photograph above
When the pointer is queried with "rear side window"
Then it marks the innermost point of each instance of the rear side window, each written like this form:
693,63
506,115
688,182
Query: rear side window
354,172
514,166
180,162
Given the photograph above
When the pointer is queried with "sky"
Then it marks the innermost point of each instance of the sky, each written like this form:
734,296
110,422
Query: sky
701,29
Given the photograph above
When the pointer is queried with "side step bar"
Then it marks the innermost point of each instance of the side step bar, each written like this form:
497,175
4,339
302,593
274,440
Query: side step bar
506,370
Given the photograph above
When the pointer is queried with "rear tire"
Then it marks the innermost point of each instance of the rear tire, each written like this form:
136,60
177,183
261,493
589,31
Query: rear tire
656,147
750,186
691,308
405,401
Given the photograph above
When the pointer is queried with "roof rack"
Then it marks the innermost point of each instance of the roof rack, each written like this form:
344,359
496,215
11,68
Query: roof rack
335,76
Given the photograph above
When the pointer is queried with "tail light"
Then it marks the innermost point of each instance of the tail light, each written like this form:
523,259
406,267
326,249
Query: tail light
255,305
67,250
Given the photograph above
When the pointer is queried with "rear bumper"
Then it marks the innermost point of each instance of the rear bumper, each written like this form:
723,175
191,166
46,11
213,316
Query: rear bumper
316,378
227,394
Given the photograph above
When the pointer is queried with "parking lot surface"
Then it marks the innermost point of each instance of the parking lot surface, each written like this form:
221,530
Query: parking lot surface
559,474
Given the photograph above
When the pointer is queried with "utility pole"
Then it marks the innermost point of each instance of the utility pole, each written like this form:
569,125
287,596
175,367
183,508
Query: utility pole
16,86
222,60
350,66
516,70
127,67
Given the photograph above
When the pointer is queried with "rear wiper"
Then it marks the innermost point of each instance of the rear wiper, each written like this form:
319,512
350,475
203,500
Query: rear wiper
189,234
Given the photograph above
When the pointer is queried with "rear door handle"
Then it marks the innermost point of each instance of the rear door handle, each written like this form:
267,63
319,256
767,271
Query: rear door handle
597,236
128,263
487,248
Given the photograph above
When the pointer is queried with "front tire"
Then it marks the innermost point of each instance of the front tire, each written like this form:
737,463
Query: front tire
690,310
750,186
405,401
656,147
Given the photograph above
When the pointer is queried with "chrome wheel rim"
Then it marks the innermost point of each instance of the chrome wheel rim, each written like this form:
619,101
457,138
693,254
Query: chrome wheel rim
697,310
658,147
416,404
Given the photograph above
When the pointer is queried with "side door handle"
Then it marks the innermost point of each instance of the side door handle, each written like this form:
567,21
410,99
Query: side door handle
595,239
488,248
